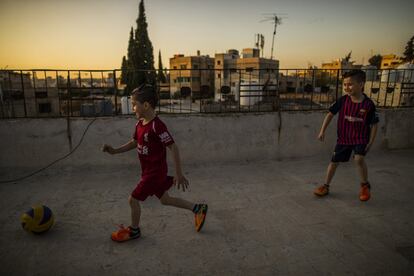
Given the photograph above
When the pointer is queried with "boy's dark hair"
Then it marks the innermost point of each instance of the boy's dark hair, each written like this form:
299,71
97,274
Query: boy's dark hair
146,93
355,74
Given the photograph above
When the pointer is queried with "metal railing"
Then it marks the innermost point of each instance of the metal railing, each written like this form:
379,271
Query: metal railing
67,93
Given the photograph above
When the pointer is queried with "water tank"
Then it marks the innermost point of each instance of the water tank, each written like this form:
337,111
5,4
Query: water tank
250,52
250,93
370,71
406,72
126,105
104,107
233,53
389,75
87,110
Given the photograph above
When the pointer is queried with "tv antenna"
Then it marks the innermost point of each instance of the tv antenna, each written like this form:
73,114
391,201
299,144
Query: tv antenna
276,19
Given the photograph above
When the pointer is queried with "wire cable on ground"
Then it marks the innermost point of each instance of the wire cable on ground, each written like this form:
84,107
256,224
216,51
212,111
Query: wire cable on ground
54,162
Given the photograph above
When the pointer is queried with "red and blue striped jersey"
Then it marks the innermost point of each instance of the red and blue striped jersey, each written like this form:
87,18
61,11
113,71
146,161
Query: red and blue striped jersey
354,120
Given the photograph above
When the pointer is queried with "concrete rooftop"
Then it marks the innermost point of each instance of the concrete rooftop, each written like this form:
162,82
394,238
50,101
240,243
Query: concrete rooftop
263,220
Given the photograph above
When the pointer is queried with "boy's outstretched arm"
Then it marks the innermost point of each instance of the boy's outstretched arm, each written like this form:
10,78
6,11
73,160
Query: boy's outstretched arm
179,178
132,144
326,121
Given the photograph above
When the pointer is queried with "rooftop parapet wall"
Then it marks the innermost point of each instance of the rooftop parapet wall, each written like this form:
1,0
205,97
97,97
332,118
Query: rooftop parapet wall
202,139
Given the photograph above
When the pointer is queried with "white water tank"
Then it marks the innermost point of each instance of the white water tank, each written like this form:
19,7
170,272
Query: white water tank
389,75
370,72
406,72
250,93
126,105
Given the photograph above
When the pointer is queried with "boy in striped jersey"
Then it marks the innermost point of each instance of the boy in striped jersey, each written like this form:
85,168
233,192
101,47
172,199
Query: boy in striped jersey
357,128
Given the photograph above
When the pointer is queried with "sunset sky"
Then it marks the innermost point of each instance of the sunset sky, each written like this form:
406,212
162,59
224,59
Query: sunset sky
93,34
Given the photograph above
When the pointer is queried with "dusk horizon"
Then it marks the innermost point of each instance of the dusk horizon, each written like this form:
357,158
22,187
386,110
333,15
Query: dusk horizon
68,35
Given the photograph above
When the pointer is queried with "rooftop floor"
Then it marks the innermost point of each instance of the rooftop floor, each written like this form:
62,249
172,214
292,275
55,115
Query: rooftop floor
263,220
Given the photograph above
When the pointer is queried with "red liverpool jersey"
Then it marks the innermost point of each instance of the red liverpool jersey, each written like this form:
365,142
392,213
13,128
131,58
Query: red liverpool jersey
152,140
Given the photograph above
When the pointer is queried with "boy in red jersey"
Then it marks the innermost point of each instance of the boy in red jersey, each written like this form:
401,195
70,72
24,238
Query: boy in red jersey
357,128
151,138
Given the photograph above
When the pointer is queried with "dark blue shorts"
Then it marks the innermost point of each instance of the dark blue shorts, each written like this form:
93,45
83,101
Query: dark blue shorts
342,153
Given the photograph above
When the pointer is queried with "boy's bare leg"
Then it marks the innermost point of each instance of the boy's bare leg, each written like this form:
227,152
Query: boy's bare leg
135,211
166,199
330,172
362,168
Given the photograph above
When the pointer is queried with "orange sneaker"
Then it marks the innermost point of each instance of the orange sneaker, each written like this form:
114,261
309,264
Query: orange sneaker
125,234
200,216
322,190
364,192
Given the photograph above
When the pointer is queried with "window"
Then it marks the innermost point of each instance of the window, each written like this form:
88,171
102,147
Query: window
218,62
249,69
195,66
45,108
15,95
183,66
219,76
175,67
41,94
183,79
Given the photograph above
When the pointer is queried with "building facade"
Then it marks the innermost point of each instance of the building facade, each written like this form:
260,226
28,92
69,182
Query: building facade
391,61
237,76
191,75
24,95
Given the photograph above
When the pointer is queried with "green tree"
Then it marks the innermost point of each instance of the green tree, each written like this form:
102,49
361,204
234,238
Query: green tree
124,71
348,57
161,75
138,66
127,68
144,59
375,61
409,50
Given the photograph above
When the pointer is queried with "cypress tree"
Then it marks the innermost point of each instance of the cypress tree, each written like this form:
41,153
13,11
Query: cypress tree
124,71
161,75
138,66
127,68
409,51
144,57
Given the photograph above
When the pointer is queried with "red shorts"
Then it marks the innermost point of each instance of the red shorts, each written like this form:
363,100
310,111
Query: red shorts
149,186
